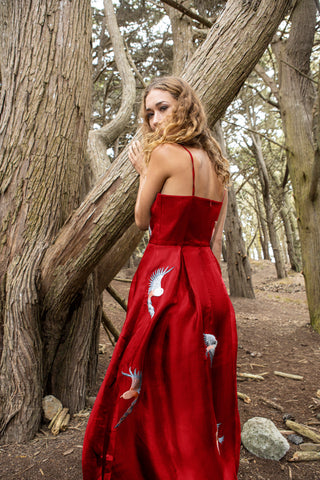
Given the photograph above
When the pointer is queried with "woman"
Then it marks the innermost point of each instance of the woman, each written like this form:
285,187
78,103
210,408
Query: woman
167,409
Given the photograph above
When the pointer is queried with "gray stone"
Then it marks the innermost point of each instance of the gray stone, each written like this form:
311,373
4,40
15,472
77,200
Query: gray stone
90,401
262,438
50,406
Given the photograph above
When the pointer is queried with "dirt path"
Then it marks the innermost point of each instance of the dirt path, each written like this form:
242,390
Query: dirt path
274,335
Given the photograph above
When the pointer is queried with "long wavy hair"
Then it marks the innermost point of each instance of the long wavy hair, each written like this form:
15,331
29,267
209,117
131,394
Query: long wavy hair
187,125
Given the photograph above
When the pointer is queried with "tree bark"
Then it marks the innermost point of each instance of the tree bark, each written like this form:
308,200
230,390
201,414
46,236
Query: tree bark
231,50
45,113
182,38
282,202
239,269
263,228
296,99
265,184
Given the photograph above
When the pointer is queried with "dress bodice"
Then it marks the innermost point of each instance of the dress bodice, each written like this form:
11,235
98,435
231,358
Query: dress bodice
183,220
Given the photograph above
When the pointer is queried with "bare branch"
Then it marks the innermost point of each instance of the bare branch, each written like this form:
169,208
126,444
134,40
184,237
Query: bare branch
267,100
188,12
267,80
255,131
299,71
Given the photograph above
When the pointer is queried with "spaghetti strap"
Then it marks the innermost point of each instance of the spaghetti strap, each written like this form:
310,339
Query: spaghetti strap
224,194
193,175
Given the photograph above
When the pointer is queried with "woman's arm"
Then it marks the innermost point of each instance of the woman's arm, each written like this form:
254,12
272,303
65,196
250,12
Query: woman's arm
216,240
152,178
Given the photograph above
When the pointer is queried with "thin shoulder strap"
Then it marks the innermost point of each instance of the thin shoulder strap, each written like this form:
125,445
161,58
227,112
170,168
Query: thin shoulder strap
224,194
193,176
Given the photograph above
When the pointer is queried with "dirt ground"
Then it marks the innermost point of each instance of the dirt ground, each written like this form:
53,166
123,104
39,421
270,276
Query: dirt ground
274,335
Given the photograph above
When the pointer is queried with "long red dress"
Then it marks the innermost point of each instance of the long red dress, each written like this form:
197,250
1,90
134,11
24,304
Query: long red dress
167,408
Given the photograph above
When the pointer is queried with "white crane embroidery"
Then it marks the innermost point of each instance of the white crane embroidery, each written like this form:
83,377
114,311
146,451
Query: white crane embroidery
211,343
155,289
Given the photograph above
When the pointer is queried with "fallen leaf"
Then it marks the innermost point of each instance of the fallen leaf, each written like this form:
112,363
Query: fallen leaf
67,452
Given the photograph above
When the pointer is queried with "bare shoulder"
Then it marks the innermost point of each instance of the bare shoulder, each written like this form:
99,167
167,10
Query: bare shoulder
169,155
168,150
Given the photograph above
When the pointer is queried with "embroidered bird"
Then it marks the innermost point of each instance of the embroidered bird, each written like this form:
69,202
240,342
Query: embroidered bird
155,289
133,392
218,439
135,388
211,343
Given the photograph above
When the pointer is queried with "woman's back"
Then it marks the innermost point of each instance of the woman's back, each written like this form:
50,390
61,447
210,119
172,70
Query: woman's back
206,181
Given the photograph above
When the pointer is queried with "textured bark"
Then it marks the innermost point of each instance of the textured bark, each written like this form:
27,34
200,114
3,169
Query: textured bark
70,371
45,112
239,269
263,228
284,206
182,38
265,184
296,99
231,50
118,256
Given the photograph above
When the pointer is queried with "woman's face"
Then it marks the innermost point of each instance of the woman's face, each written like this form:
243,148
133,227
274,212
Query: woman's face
159,105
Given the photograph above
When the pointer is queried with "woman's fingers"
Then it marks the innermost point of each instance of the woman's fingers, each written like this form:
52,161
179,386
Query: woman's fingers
136,156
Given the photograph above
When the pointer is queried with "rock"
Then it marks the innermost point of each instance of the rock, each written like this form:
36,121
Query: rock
90,401
262,438
296,439
288,416
50,405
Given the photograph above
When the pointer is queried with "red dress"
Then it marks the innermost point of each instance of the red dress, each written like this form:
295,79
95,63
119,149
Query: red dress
167,408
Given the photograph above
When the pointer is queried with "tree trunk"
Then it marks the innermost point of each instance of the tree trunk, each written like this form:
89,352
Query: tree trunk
265,184
282,202
231,50
239,269
182,38
43,130
263,228
296,96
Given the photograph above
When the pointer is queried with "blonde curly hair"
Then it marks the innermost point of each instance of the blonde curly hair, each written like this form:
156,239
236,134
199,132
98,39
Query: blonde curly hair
187,125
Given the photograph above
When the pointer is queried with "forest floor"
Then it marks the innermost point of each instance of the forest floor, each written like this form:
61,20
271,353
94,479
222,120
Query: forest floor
274,335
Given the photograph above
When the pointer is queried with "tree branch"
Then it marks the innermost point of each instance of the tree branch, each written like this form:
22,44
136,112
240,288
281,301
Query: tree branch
267,80
256,132
267,100
204,21
99,140
299,71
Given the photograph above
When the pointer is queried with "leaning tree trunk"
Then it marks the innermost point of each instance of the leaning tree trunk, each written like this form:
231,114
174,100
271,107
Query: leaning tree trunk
45,68
45,112
296,96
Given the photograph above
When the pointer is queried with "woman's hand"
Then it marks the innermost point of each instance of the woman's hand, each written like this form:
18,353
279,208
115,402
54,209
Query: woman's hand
136,157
